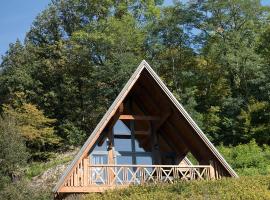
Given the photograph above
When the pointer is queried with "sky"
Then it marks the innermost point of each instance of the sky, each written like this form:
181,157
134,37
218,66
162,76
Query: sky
16,17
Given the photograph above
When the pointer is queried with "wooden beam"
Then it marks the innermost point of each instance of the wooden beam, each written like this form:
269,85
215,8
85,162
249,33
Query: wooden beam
173,133
102,138
150,96
163,120
88,189
168,142
114,120
144,110
139,117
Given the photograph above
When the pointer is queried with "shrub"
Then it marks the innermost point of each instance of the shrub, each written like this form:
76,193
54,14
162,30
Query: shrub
21,191
248,159
13,154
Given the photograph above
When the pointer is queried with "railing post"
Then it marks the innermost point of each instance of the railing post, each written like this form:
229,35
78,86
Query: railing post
85,171
211,170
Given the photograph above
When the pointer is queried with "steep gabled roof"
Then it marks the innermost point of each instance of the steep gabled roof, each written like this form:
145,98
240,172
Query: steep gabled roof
145,68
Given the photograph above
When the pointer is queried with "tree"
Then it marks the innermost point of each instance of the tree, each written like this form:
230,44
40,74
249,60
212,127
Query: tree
13,154
213,55
33,125
169,50
255,122
229,32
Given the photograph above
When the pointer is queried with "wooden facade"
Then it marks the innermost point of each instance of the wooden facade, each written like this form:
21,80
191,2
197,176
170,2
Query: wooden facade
160,131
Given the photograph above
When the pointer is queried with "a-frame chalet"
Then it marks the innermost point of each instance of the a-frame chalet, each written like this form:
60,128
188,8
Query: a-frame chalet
144,137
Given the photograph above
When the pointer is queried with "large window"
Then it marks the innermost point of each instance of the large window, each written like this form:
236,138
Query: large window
126,148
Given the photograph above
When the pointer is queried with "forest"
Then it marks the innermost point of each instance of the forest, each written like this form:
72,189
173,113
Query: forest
57,84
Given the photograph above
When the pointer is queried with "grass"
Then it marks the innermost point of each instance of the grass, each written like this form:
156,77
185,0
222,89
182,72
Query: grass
37,168
250,187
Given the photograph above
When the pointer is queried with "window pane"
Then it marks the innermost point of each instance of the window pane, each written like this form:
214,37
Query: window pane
144,160
127,160
122,144
103,147
120,128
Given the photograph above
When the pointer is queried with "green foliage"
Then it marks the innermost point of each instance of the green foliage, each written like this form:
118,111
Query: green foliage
13,160
13,154
248,159
213,55
231,33
211,122
255,122
243,188
34,127
73,134
22,191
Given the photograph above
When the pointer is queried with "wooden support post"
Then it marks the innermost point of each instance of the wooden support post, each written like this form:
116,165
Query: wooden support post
212,169
110,148
85,171
76,177
111,158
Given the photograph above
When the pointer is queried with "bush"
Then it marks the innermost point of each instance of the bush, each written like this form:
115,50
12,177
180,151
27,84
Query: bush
21,191
248,159
13,154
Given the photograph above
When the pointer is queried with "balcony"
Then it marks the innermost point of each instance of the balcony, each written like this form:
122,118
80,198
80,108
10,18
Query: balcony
98,178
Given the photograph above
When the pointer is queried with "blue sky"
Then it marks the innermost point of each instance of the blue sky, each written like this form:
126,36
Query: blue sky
16,17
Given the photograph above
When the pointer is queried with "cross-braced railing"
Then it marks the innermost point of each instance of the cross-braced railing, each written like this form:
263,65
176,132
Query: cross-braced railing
140,174
97,178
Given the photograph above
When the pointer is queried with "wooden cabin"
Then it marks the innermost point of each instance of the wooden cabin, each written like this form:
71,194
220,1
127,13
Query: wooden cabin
144,137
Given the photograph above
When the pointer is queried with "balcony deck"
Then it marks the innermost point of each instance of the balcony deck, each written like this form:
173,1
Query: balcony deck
98,178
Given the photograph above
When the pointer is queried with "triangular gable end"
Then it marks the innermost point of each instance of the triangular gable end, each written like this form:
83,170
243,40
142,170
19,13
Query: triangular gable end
194,132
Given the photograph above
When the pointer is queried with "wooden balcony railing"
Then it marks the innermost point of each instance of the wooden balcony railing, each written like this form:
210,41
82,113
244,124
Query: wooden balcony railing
97,178
140,174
